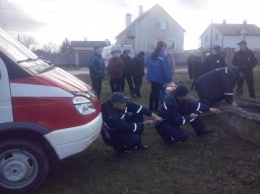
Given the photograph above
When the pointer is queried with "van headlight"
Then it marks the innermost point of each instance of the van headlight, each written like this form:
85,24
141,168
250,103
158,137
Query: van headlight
83,105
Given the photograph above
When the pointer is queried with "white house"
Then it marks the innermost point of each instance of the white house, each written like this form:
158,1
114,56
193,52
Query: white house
150,27
228,35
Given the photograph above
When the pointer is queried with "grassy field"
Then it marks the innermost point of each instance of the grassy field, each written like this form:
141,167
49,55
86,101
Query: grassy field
213,164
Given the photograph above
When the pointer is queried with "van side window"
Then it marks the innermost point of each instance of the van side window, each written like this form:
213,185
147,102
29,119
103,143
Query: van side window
14,70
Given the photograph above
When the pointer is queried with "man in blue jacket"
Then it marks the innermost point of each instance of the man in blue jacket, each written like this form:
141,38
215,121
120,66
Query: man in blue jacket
96,70
178,110
122,130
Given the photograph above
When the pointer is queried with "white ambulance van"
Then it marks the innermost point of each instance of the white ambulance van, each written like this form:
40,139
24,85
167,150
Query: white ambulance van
43,111
106,51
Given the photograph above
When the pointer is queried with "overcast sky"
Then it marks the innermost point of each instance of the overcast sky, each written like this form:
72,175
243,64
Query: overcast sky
55,20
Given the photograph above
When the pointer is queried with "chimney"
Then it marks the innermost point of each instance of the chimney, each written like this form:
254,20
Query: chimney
224,21
245,22
127,19
141,10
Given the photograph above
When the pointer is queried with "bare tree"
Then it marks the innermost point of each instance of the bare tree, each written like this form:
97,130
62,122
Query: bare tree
28,41
66,46
49,47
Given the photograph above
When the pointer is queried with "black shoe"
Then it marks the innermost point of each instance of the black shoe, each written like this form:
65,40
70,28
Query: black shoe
142,147
205,131
139,95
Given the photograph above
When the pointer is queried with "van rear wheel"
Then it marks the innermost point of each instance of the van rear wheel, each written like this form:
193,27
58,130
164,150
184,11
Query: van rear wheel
23,166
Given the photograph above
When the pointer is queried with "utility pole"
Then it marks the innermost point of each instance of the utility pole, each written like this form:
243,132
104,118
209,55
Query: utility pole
211,34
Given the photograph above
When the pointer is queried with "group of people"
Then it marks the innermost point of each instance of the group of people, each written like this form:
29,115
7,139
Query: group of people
120,68
207,80
123,121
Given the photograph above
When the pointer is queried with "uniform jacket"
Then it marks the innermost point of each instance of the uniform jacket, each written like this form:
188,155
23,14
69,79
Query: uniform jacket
178,113
127,64
245,59
158,70
118,120
96,66
115,68
217,84
137,68
213,62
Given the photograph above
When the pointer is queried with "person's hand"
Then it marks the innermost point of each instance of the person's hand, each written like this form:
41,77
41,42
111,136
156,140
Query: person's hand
193,115
148,122
214,110
156,118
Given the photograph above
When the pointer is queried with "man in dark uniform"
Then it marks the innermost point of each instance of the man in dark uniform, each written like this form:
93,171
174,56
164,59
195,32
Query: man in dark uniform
137,71
213,61
126,72
217,85
96,70
178,110
124,131
246,60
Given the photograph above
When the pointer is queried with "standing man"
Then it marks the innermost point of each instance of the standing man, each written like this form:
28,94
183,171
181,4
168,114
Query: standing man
213,61
96,70
126,72
137,71
246,60
115,72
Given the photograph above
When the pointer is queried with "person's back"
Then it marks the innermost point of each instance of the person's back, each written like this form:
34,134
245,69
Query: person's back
216,85
158,70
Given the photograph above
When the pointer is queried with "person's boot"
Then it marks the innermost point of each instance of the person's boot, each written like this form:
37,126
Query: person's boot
142,147
204,131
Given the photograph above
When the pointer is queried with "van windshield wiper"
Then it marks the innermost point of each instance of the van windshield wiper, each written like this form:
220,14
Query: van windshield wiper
28,60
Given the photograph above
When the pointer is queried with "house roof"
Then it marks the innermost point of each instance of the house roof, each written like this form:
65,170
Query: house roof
143,15
235,29
89,43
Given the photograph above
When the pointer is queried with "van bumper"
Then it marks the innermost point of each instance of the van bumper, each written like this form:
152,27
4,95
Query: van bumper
69,141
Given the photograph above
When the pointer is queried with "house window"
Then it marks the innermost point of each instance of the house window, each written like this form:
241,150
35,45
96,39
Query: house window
164,25
170,44
206,38
216,36
151,44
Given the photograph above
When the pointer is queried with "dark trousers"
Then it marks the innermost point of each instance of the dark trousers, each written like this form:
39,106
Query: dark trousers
155,95
123,141
129,80
96,85
171,133
138,80
115,85
250,83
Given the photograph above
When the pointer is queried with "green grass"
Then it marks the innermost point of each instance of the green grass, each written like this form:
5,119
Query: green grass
213,164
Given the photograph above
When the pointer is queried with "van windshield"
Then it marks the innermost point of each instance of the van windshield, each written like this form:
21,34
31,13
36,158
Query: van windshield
21,55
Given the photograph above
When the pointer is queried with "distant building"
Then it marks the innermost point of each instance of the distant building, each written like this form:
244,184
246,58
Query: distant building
150,27
228,35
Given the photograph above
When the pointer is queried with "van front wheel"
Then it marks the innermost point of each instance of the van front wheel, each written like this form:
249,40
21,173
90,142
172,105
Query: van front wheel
23,166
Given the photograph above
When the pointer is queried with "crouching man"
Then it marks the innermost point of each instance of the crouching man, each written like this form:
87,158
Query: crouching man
178,110
122,130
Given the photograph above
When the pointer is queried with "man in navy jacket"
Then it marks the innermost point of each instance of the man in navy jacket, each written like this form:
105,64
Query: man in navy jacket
178,110
122,130
96,70
217,85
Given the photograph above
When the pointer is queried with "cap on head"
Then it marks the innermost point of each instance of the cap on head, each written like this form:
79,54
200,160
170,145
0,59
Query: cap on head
118,97
96,47
216,48
181,90
125,52
243,42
